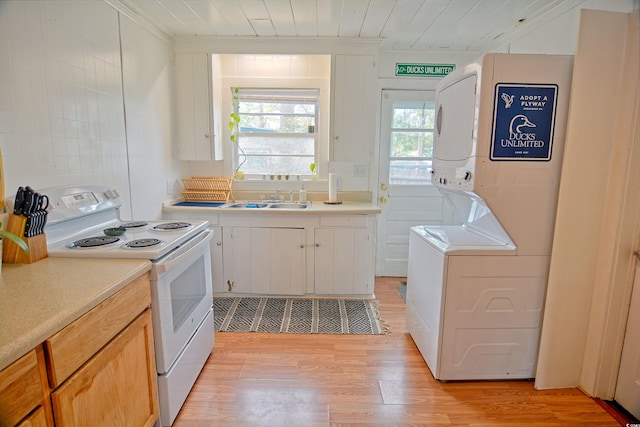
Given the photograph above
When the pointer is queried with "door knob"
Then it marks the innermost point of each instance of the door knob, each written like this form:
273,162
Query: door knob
383,186
383,199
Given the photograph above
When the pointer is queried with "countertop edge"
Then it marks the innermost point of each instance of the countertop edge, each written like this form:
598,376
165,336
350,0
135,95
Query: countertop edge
317,208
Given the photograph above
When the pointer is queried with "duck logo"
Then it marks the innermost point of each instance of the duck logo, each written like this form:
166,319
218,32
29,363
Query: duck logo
523,122
518,122
508,100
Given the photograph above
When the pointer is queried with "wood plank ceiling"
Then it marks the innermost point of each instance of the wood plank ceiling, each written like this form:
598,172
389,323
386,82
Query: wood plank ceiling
441,25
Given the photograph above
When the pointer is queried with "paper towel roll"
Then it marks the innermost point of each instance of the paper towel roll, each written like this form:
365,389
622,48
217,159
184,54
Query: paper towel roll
333,185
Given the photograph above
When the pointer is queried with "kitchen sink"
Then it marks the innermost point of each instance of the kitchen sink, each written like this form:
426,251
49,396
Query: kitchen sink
248,205
289,206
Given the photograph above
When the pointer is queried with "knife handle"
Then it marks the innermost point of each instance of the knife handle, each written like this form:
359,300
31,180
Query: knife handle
17,205
28,225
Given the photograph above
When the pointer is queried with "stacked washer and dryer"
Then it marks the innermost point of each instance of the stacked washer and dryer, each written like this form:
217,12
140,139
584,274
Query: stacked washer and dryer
476,290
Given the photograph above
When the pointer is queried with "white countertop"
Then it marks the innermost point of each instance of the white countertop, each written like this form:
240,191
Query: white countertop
38,300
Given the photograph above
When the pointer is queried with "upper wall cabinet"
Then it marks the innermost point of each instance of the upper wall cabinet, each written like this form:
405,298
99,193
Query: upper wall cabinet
199,129
353,112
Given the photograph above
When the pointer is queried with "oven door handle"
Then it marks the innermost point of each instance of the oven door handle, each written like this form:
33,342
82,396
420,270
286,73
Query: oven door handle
179,255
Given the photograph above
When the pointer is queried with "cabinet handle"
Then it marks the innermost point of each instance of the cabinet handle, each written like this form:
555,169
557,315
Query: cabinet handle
206,135
317,245
230,285
301,246
219,243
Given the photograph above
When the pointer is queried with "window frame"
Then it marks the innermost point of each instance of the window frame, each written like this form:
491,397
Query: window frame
289,94
322,127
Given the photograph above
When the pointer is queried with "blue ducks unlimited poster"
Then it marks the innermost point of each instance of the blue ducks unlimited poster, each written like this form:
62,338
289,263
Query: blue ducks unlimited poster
523,121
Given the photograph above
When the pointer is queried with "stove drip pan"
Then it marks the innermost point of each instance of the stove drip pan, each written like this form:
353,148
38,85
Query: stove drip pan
92,242
142,243
172,226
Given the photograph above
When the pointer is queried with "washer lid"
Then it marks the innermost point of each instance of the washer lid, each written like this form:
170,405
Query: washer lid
463,240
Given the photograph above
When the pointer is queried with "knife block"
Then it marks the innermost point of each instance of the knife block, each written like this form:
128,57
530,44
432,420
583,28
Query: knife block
13,254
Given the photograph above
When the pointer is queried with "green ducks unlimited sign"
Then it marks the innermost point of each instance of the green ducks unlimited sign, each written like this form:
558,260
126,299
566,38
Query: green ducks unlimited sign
424,70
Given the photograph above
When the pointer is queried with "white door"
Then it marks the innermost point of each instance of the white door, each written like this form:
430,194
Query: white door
405,193
628,388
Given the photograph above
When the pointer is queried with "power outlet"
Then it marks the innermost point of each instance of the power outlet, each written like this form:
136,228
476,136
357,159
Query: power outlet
170,187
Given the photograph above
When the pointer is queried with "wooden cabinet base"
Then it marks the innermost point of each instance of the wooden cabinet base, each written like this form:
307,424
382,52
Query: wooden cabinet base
117,387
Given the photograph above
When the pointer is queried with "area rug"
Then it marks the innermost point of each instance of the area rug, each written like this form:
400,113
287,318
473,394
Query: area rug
297,316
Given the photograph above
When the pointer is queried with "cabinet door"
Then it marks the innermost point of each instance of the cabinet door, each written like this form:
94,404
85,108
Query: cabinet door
343,261
194,103
264,260
217,266
20,389
237,259
115,387
277,261
353,112
37,418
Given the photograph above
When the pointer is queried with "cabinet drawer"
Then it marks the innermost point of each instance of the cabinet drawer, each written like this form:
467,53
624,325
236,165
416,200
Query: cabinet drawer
20,389
78,342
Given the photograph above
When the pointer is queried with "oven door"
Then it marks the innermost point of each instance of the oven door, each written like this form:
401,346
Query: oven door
182,294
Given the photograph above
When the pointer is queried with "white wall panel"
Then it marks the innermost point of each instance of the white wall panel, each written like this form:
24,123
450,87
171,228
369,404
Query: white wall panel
148,82
61,110
62,115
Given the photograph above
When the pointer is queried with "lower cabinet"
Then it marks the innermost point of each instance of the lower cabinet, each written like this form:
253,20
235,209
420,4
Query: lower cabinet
343,261
264,260
290,254
100,370
115,386
102,366
22,394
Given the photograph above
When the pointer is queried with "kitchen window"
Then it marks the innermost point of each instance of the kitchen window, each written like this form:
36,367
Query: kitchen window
277,132
411,142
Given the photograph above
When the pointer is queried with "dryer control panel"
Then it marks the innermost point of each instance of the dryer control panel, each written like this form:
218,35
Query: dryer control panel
454,178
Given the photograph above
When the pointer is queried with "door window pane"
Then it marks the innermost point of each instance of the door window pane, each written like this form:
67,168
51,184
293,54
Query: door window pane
412,132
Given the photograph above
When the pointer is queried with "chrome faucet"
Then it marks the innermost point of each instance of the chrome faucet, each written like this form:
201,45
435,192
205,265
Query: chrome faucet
273,197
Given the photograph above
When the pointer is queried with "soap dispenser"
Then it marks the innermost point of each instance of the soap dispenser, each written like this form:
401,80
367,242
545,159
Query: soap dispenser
302,195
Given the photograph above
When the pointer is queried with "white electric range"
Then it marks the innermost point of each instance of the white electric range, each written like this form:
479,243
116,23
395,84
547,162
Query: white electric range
181,280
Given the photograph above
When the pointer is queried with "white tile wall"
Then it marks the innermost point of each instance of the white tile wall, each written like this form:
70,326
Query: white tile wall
63,120
62,116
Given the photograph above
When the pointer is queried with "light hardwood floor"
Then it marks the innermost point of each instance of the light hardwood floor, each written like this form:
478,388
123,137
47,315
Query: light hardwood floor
255,379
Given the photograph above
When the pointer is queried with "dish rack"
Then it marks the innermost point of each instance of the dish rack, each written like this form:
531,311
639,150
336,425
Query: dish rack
203,189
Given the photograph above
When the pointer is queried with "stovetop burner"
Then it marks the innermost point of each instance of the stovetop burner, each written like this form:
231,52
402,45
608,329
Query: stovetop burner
142,243
133,224
92,242
172,226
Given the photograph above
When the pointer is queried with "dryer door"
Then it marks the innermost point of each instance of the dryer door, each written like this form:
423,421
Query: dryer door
456,115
